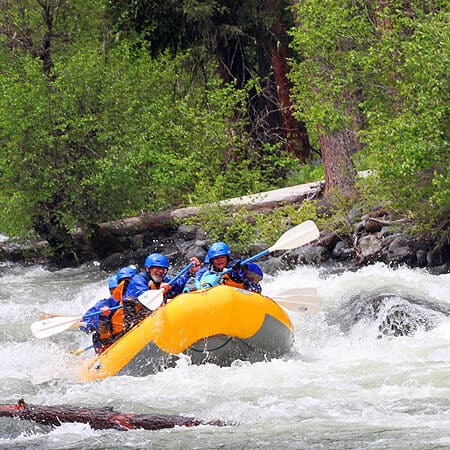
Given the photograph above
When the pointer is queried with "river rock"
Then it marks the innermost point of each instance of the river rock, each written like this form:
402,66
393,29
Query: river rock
399,251
113,262
369,245
328,240
372,226
342,251
439,255
308,254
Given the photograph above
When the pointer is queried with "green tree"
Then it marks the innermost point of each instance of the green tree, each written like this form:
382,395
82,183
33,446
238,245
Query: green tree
378,71
107,132
248,41
329,36
407,108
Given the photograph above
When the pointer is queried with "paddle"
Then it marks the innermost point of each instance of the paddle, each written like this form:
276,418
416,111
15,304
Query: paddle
299,300
54,325
293,238
43,316
151,299
81,350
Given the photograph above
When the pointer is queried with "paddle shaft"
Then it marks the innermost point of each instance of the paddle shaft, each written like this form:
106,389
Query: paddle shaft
257,256
99,312
82,350
181,273
293,238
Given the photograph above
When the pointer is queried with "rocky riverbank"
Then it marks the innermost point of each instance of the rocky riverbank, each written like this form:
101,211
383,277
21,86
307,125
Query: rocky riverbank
375,237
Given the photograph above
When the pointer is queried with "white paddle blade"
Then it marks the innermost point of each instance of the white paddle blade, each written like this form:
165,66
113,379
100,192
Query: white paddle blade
152,299
299,307
309,304
54,325
297,236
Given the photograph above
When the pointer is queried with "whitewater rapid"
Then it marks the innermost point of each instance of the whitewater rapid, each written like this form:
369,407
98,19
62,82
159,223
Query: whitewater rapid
346,385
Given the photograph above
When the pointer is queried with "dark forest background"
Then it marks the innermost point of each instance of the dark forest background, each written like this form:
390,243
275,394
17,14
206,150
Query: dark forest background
113,108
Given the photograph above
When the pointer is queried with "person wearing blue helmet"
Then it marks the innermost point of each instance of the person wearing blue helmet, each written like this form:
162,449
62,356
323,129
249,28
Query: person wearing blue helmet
124,276
112,283
103,320
219,259
154,276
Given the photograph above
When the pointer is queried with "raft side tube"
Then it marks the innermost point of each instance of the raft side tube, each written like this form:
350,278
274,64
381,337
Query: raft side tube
190,319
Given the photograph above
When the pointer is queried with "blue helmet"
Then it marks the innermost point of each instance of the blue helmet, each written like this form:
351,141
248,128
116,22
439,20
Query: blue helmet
112,281
126,272
156,260
218,249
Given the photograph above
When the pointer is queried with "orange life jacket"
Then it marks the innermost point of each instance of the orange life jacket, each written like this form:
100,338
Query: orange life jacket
229,282
112,327
119,290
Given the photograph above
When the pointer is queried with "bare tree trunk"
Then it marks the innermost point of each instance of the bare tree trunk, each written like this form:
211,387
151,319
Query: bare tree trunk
340,172
19,34
97,418
297,142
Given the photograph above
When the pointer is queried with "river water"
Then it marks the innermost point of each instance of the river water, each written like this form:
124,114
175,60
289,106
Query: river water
343,388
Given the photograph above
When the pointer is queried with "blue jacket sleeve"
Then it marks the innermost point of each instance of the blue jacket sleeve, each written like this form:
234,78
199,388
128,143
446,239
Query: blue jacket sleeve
137,286
177,287
240,276
92,321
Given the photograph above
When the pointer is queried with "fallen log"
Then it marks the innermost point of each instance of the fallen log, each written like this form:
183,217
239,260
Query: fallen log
97,418
255,202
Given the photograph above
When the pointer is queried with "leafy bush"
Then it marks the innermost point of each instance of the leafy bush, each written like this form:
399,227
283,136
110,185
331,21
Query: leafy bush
240,227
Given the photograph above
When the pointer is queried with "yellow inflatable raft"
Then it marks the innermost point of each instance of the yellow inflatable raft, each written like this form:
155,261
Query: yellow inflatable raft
217,325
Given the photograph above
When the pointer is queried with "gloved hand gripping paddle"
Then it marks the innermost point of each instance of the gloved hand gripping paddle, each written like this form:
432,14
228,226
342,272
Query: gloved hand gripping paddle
153,299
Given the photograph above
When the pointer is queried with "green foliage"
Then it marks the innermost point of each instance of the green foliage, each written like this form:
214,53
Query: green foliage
242,172
302,174
396,62
116,133
407,130
331,38
25,175
240,227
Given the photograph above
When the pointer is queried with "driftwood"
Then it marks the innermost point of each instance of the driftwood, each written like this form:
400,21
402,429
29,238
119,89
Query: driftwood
256,202
97,418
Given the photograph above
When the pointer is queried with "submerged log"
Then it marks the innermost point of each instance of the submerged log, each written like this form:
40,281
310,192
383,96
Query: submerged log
97,418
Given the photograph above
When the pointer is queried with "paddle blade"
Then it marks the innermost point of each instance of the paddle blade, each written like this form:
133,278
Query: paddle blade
295,300
152,299
297,236
299,307
54,325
